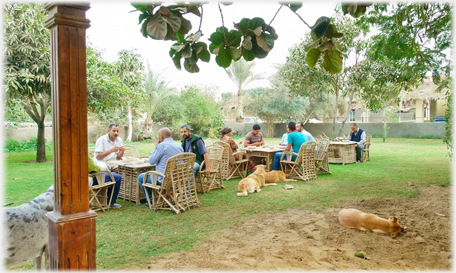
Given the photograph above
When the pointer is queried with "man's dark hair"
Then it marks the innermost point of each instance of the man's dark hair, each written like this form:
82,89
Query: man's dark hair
256,127
292,126
301,124
186,127
112,124
354,124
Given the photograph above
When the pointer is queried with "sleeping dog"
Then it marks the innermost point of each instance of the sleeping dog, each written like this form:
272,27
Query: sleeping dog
353,218
253,182
276,176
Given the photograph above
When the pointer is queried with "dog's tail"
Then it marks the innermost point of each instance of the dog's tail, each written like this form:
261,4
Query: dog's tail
287,175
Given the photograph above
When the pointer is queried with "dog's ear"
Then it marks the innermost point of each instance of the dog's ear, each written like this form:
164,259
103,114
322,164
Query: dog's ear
256,167
393,219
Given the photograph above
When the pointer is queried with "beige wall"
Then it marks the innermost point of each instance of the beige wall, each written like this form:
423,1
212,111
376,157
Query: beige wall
440,107
419,112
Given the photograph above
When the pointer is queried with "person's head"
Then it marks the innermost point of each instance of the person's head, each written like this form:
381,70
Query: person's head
291,127
354,127
113,131
256,129
164,133
185,131
299,126
225,131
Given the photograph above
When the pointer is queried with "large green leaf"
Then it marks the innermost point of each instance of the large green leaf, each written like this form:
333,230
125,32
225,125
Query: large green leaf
332,62
176,60
312,57
319,29
186,26
186,51
311,45
258,51
180,37
234,38
193,9
140,6
173,20
247,43
265,41
192,68
204,55
295,6
256,22
144,28
217,36
171,34
212,47
247,54
272,31
223,59
235,53
243,25
157,28
142,16
331,32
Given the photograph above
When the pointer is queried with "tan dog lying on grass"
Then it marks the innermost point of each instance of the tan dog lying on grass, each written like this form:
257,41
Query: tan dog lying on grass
253,182
353,218
276,176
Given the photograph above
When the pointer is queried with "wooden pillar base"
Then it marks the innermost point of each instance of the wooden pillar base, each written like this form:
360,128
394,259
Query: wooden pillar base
73,232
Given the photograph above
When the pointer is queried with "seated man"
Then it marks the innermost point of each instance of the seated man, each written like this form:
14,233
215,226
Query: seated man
255,137
284,141
307,135
165,147
357,135
295,140
109,147
194,144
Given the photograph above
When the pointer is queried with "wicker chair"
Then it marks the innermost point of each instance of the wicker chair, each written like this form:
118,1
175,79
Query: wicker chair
176,192
321,156
242,140
213,180
98,193
304,166
233,164
365,153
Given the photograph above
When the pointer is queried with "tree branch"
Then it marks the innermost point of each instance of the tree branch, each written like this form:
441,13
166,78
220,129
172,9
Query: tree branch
223,25
273,18
201,18
299,17
29,111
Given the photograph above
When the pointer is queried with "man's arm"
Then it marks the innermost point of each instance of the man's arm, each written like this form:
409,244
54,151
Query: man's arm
288,148
363,138
206,160
102,155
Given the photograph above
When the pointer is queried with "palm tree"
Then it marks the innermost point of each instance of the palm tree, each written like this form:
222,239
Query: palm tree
157,90
241,74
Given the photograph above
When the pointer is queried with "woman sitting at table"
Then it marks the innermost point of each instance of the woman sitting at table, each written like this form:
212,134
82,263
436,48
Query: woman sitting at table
225,136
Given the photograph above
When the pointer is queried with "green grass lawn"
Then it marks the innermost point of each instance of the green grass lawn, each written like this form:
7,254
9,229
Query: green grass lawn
127,237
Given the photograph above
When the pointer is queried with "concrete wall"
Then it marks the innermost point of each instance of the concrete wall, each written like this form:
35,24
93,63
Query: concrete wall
396,130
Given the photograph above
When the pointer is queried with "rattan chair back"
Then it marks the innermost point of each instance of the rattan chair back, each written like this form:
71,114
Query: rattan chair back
213,180
366,149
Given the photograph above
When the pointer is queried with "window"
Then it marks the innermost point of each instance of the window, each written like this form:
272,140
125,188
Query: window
352,115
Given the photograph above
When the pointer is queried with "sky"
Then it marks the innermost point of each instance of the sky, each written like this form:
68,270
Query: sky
114,28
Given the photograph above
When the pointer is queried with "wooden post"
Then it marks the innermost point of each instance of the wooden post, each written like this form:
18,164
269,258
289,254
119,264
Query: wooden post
72,243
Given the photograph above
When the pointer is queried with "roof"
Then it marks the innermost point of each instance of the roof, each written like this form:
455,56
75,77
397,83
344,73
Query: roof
426,91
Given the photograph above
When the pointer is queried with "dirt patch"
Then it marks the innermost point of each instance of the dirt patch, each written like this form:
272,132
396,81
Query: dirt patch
310,240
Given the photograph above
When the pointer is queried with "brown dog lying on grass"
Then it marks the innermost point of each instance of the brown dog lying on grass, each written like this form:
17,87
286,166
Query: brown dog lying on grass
353,218
276,176
253,182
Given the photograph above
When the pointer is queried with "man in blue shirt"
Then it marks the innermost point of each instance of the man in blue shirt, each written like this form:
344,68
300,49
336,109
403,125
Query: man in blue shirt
307,135
165,147
295,140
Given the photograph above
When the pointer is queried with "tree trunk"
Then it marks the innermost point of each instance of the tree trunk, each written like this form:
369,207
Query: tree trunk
148,130
308,117
130,125
41,143
350,100
240,107
334,114
270,128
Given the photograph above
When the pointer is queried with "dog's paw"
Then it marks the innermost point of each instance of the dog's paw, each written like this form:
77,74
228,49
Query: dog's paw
273,184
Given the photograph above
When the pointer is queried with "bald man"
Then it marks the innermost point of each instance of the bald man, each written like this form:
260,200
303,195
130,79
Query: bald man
165,147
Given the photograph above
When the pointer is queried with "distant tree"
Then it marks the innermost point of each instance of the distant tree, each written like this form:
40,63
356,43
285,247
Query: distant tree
157,89
227,95
26,47
241,74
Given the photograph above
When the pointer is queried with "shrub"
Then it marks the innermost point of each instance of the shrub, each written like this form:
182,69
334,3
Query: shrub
12,145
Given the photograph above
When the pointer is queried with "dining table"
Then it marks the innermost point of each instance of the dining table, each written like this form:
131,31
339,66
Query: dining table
342,152
129,171
266,153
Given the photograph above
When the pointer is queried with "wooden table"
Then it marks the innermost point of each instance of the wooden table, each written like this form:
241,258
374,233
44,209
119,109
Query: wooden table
266,153
342,152
129,188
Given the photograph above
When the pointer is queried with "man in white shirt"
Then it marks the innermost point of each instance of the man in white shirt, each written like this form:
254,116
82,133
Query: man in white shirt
307,135
110,147
284,141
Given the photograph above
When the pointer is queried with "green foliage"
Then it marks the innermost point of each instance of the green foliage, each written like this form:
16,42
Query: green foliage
251,38
12,145
448,137
168,111
385,131
355,9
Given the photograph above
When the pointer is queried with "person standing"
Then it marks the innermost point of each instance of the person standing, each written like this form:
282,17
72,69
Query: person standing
165,147
109,147
295,140
192,143
358,135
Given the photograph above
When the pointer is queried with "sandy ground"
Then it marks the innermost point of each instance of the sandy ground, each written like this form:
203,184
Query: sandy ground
300,240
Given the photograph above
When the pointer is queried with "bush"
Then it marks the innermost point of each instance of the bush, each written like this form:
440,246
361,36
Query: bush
12,145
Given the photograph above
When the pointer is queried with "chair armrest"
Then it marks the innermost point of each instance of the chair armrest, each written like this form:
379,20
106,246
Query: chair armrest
286,153
240,154
93,174
152,173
